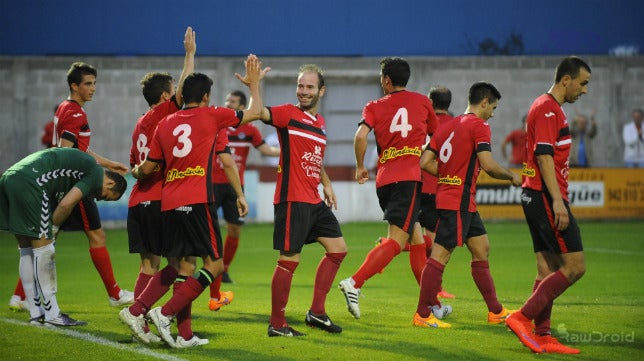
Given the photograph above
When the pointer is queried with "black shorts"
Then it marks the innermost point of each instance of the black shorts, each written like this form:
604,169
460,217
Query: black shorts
297,224
226,198
455,226
144,227
84,216
191,230
537,207
400,202
428,214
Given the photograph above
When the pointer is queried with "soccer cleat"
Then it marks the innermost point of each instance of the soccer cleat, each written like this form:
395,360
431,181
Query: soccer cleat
430,321
136,325
441,311
125,298
163,324
64,320
226,298
193,342
225,278
552,345
286,331
496,318
444,294
351,295
37,321
522,327
322,322
17,304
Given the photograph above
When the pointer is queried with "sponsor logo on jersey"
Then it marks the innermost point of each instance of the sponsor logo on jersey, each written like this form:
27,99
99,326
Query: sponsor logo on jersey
312,162
454,181
527,171
174,174
77,115
186,209
393,152
550,114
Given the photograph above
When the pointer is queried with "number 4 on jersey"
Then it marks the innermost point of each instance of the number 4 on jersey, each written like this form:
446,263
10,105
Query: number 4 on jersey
400,123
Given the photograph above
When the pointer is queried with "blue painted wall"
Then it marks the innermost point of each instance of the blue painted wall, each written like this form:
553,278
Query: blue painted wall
332,28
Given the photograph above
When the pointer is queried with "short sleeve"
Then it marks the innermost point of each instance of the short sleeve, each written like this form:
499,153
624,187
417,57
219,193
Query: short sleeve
280,115
482,136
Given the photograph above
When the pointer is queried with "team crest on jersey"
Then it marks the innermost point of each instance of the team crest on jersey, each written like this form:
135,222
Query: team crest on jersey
242,135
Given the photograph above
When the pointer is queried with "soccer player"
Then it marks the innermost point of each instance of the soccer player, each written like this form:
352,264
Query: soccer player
240,140
27,191
73,130
144,207
555,234
185,143
301,216
461,147
441,98
401,121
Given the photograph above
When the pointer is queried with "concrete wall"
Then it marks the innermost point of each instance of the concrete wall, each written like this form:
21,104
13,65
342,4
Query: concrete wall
31,86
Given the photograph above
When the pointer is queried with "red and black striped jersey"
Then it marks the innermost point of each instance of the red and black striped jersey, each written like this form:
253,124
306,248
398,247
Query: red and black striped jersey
302,138
456,145
185,142
401,122
240,140
70,123
547,132
148,189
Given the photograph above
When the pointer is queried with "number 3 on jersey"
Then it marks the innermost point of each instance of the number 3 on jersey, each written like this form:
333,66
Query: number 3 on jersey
446,149
400,123
183,131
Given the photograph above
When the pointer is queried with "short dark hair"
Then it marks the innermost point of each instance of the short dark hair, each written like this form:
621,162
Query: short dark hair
154,84
482,90
638,110
570,65
195,86
397,69
241,95
76,72
441,97
120,184
312,68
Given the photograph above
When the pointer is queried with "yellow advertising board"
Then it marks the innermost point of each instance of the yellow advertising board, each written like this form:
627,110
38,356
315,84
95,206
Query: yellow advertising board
594,193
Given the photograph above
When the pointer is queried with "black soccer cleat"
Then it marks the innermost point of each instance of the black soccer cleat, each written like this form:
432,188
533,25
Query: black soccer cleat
323,322
286,331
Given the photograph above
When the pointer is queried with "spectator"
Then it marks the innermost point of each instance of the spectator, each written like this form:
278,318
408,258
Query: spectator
517,139
633,142
581,151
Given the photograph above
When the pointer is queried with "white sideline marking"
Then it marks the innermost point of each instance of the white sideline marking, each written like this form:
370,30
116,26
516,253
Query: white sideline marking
99,340
614,251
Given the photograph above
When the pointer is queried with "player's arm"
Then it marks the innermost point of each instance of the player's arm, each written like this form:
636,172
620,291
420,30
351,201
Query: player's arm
114,166
269,150
145,169
360,148
428,162
494,169
65,206
190,45
232,173
329,194
254,74
546,165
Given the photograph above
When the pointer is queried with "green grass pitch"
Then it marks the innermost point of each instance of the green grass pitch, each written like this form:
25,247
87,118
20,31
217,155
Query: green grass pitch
603,314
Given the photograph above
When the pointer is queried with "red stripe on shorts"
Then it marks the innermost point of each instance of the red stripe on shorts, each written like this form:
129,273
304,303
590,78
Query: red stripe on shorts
551,220
410,211
459,229
81,207
287,230
211,232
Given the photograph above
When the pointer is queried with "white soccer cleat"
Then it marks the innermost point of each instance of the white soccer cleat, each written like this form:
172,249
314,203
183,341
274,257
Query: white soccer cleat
163,325
125,298
441,311
17,304
193,342
135,323
351,295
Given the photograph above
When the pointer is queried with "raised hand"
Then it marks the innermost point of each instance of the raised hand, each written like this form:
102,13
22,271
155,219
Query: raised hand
189,41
